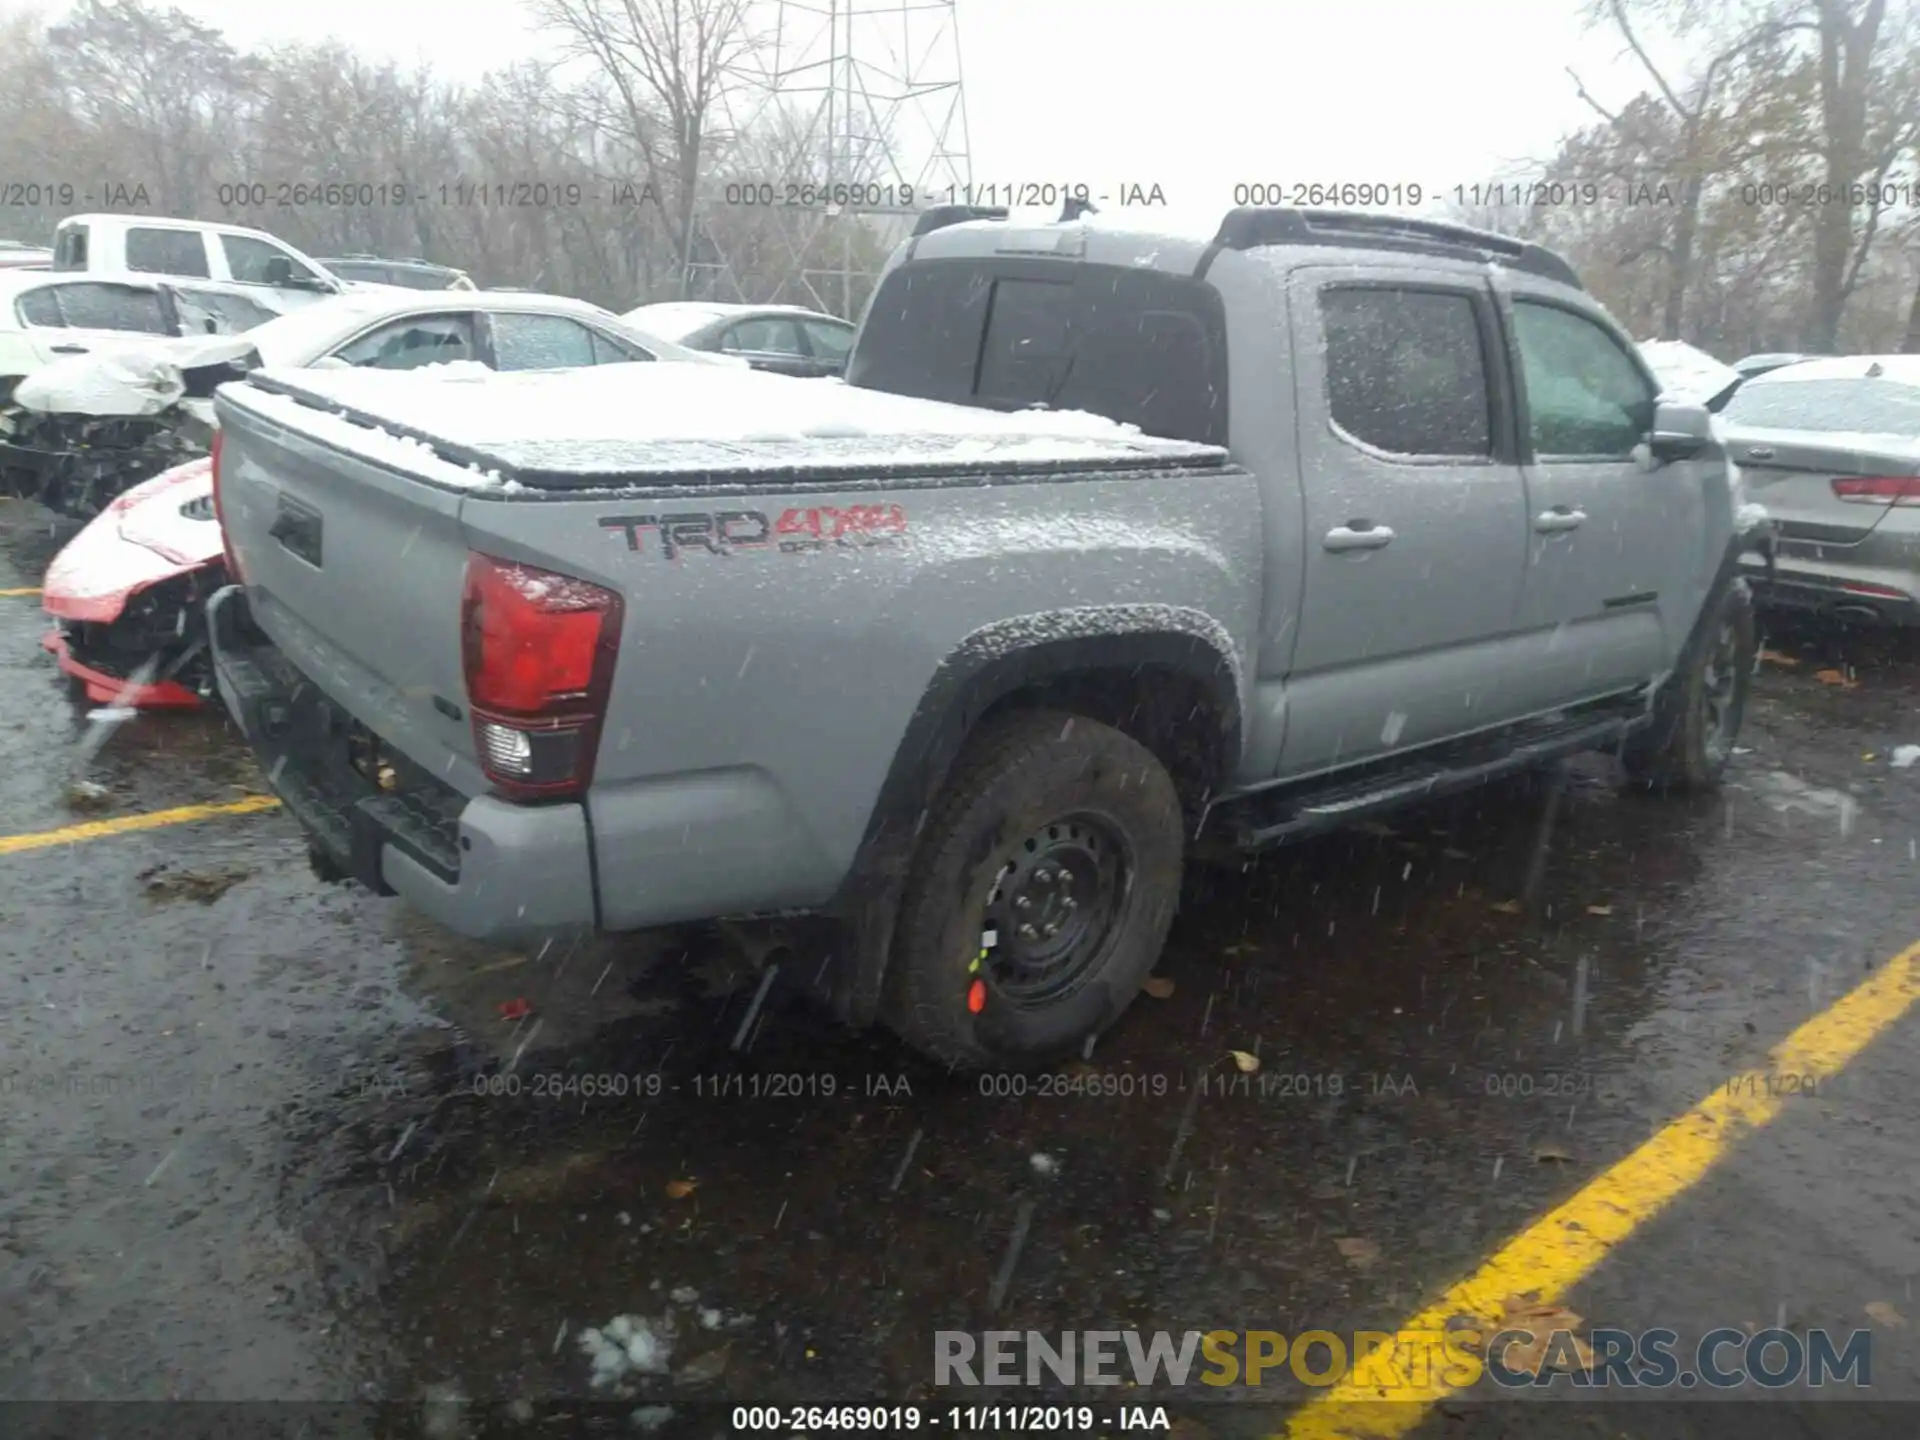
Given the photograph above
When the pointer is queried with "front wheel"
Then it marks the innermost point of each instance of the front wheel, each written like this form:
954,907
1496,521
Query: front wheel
1698,712
1047,877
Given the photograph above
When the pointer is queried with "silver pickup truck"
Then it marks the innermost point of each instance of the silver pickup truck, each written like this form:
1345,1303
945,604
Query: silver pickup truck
1160,545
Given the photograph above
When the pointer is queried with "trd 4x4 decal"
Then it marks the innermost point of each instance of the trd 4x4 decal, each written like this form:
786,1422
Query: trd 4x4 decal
794,531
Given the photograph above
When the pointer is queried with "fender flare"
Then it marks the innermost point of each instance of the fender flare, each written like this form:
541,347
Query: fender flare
986,667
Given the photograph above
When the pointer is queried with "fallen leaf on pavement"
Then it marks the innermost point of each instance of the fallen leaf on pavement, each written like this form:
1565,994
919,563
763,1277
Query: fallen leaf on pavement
703,1369
1245,1060
1540,1323
1552,1152
515,1009
1359,1251
1881,1313
87,795
1599,909
206,886
1507,907
1774,657
1834,677
1158,986
680,1189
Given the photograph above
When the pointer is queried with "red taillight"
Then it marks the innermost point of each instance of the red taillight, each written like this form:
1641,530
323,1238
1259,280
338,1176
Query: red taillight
1878,489
220,516
538,648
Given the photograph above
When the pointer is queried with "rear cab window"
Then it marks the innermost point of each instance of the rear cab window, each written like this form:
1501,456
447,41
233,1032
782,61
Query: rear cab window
1407,370
70,248
1138,346
161,250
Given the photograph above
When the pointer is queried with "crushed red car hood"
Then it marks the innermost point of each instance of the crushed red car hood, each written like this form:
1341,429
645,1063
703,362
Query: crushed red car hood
142,538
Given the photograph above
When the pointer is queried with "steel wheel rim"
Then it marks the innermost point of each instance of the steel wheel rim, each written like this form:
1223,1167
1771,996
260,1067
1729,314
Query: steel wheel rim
1053,910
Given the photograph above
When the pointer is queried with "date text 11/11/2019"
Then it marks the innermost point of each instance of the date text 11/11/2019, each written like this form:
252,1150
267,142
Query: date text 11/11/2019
958,1419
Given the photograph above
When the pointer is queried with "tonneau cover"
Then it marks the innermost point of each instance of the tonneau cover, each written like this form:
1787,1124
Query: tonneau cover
618,426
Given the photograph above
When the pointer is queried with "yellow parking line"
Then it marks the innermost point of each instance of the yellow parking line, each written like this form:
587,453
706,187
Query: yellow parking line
123,824
27,590
1568,1242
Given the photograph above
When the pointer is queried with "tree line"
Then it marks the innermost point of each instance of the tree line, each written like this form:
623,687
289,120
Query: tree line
1757,188
623,170
1754,186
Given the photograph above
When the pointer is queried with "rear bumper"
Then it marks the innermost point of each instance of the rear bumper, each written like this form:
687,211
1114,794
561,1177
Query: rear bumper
105,689
1890,592
480,866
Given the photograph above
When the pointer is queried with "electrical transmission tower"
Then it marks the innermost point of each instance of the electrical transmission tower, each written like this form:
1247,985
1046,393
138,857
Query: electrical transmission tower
848,119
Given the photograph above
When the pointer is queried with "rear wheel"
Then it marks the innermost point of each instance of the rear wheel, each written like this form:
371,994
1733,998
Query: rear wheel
1698,713
1047,877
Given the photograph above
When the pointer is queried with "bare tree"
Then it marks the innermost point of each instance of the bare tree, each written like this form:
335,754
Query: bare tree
668,62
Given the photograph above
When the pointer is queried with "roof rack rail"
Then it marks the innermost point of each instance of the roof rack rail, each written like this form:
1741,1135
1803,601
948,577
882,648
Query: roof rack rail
941,216
1249,226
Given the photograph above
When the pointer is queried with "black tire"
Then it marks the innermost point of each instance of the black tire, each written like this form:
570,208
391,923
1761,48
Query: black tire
1698,712
1053,809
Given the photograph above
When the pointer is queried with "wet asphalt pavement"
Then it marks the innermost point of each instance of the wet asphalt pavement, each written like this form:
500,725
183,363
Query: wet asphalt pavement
266,1139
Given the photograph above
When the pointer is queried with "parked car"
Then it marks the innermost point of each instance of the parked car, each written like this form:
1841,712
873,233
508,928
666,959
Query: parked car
132,424
126,593
412,274
192,250
45,315
1752,365
1832,449
785,339
596,630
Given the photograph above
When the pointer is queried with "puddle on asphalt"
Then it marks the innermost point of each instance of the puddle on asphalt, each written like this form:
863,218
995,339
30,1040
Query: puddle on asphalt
796,1221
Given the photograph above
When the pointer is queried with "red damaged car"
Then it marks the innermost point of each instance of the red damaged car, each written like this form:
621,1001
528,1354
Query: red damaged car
127,593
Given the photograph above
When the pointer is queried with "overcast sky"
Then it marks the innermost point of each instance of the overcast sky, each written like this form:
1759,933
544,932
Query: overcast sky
1192,95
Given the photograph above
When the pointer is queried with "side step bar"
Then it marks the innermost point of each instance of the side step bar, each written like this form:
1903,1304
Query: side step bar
1267,819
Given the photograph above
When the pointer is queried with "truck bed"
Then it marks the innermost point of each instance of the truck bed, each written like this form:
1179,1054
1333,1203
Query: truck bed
621,428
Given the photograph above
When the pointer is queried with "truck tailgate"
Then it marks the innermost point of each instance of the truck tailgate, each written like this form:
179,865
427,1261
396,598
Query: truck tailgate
354,569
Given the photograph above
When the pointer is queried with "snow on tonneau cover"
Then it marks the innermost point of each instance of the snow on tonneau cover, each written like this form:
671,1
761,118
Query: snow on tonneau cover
354,567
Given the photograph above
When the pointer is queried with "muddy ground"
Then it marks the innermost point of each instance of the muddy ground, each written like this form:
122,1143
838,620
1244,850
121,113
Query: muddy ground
262,1139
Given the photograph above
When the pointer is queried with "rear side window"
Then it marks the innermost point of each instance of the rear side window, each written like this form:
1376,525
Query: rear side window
113,307
1406,370
214,313
540,342
608,351
1137,346
39,307
764,335
155,251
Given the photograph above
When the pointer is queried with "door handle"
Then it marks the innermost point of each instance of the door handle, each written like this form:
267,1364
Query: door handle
1558,519
68,349
1760,452
1358,535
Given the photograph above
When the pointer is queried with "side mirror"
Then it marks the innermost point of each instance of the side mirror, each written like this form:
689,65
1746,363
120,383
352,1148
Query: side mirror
1680,430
